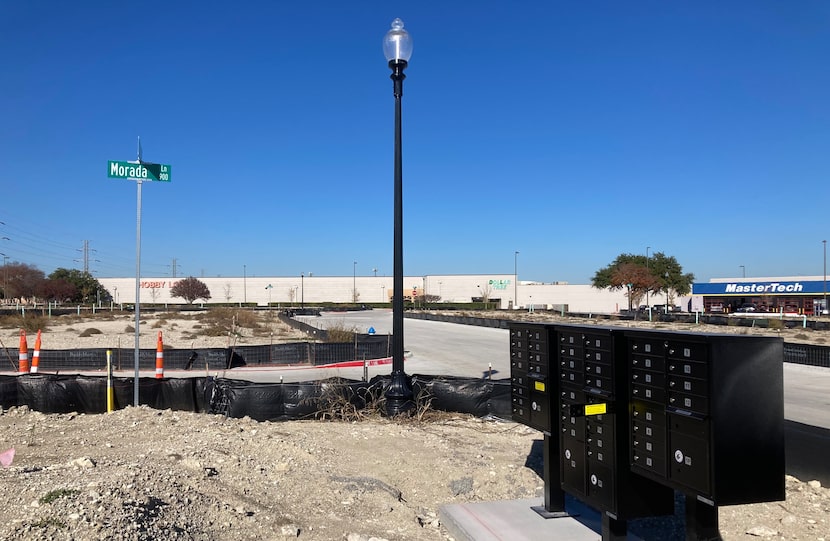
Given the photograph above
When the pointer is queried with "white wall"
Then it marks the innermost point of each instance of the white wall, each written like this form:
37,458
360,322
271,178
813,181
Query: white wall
287,290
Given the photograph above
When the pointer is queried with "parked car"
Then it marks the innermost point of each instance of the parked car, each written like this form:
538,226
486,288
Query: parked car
748,307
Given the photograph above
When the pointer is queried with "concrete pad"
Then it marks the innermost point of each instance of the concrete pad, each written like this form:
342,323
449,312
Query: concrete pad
515,520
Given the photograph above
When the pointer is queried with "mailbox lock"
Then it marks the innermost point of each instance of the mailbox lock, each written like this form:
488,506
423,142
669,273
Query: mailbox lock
678,456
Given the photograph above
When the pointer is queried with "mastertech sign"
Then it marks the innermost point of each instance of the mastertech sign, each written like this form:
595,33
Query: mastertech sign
760,288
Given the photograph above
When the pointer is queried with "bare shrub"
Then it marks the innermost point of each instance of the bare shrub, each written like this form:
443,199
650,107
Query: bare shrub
338,401
222,321
775,324
29,322
339,333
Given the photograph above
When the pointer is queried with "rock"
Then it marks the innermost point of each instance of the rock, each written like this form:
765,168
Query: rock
762,531
290,530
83,462
461,486
814,484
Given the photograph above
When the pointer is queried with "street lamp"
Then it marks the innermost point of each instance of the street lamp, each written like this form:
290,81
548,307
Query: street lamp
302,289
245,284
647,265
516,279
743,270
5,260
824,242
269,287
397,47
354,282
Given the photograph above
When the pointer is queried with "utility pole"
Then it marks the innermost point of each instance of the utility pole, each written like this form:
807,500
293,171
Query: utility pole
85,251
173,268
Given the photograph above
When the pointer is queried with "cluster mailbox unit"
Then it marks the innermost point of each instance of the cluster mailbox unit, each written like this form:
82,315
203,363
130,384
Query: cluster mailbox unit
630,416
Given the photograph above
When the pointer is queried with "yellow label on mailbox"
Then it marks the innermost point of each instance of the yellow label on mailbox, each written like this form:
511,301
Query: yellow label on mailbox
595,409
539,385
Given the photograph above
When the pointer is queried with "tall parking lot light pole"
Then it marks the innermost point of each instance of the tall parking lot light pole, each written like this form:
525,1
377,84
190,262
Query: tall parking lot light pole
516,279
397,47
824,242
647,268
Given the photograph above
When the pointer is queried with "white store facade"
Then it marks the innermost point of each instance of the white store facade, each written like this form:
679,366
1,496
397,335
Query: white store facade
500,289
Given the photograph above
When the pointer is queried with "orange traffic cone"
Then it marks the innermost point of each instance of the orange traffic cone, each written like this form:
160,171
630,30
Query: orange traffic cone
159,358
36,354
23,366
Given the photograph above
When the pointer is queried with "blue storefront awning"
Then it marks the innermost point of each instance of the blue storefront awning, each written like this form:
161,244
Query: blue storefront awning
760,288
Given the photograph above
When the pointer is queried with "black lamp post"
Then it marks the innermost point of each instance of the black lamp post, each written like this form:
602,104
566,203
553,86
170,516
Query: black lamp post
397,47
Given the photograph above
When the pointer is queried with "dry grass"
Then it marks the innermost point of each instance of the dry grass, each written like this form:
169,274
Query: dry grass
30,322
340,333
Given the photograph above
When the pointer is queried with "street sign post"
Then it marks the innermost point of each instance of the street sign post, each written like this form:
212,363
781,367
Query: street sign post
138,171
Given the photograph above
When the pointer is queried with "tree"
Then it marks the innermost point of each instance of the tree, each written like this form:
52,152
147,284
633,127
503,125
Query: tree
21,280
87,288
670,274
59,290
639,275
190,289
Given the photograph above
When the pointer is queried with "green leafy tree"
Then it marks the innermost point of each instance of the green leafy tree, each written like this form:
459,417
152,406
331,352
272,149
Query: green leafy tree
190,289
639,275
673,281
87,288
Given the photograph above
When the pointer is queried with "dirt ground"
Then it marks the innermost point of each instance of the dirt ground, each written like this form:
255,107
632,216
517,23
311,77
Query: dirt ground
143,474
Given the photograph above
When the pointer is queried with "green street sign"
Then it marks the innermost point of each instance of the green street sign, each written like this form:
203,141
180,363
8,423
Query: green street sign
138,171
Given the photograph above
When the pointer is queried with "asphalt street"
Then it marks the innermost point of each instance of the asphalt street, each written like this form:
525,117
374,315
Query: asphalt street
438,348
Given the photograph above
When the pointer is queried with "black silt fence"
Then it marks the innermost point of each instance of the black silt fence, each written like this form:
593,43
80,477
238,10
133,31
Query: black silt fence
366,347
477,397
807,354
49,393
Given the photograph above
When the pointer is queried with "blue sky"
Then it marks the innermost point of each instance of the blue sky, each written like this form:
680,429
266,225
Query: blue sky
569,131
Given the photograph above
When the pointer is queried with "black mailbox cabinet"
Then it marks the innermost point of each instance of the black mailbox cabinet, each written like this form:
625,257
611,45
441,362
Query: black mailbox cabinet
708,414
529,366
630,416
593,423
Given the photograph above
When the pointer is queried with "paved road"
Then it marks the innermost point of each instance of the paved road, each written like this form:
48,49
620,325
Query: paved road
438,348
433,347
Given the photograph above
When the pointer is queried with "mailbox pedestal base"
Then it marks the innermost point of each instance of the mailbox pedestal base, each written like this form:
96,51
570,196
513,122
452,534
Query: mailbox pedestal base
701,521
545,513
554,496
613,529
